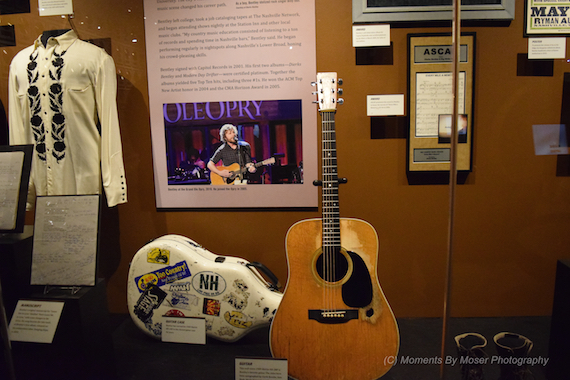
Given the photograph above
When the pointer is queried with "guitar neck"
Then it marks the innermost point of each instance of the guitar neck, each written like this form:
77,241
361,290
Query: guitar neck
327,92
330,201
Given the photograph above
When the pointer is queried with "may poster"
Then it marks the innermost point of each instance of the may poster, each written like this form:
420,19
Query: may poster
245,63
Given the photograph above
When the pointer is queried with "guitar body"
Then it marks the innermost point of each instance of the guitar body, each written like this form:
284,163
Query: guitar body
360,348
215,179
219,180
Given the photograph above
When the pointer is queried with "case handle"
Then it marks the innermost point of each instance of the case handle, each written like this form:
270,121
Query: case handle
275,285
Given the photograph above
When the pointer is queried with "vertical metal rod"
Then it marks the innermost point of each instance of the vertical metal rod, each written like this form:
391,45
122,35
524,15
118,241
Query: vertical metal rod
456,46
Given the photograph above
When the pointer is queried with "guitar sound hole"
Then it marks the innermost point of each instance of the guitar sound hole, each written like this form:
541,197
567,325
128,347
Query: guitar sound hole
332,266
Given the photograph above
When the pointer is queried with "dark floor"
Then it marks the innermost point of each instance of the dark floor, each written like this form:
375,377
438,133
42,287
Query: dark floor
130,354
141,357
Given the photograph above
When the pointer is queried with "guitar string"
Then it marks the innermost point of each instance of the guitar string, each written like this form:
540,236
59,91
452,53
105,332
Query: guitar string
329,215
329,203
332,246
324,220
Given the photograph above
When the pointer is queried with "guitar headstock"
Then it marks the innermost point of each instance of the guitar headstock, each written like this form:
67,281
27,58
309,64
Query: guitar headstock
269,161
328,91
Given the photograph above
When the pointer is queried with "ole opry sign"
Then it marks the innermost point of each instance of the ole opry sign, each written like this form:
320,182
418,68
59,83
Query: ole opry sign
245,110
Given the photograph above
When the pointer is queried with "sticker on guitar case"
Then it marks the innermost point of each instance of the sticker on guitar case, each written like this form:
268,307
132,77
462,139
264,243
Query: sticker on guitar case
237,319
239,300
148,301
209,284
211,307
158,256
183,300
174,313
163,276
225,331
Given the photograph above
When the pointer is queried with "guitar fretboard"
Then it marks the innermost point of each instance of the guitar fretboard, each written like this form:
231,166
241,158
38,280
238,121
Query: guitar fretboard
330,204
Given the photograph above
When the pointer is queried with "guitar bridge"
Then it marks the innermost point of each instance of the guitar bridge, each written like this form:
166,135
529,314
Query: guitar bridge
333,316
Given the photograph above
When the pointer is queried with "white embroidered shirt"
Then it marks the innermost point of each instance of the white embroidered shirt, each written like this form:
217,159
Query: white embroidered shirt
62,99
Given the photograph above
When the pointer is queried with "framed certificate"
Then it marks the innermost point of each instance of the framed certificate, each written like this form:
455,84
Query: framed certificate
430,106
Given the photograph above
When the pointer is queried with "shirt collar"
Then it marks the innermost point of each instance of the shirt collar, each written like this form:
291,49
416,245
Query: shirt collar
65,40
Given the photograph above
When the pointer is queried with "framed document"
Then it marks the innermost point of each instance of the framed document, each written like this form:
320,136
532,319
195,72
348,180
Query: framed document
547,18
430,105
15,165
429,10
65,240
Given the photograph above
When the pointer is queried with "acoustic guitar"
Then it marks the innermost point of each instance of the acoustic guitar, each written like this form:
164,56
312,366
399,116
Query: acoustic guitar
236,171
334,321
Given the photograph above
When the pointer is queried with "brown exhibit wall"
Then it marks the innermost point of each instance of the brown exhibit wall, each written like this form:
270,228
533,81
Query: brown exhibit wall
512,214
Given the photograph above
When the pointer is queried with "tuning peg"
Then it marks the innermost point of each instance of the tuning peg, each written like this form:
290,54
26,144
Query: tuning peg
313,84
340,101
340,91
340,81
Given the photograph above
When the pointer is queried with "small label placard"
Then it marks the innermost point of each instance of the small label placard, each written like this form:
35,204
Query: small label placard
35,321
184,330
438,53
55,7
370,35
261,368
550,139
547,48
432,155
385,105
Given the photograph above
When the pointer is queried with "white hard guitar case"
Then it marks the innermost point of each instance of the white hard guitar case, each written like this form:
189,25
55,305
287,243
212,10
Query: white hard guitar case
175,276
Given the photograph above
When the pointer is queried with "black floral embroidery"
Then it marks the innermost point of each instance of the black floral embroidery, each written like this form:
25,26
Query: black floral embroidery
36,120
56,105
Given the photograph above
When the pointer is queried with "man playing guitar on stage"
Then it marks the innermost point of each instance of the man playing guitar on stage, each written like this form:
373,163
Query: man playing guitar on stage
230,152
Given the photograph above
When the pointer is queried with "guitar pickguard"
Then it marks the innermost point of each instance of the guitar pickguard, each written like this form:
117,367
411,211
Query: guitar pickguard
357,291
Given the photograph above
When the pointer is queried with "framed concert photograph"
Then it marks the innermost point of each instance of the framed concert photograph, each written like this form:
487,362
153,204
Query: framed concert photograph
430,105
365,11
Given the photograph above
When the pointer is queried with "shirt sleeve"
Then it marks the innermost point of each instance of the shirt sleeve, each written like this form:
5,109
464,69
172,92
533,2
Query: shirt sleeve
217,155
248,154
112,167
18,133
